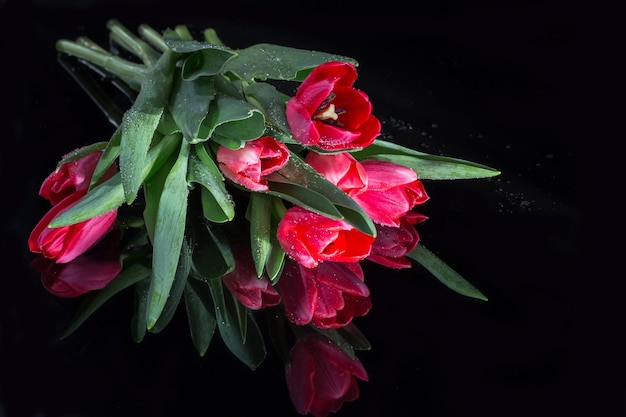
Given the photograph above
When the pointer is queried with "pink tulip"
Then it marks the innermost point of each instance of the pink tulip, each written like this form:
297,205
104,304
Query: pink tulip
251,291
311,238
341,169
328,296
321,377
64,188
392,190
249,165
90,271
329,113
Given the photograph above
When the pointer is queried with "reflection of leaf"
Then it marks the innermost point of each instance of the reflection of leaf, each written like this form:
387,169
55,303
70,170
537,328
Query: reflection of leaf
427,167
263,61
238,329
131,274
446,275
200,314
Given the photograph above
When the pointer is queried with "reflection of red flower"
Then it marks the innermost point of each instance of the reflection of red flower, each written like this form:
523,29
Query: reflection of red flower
321,377
393,243
251,291
311,238
249,165
64,188
328,296
329,113
90,271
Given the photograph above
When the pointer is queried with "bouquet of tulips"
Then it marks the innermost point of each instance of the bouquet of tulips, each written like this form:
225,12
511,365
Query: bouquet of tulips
239,181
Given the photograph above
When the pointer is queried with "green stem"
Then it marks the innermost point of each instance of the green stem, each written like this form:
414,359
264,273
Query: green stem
132,43
183,32
211,36
153,37
124,69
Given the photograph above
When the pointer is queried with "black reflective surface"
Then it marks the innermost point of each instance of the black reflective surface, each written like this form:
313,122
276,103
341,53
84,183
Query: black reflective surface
492,84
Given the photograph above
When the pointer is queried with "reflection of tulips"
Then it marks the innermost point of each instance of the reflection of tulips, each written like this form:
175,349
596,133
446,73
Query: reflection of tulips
249,165
251,291
329,113
65,187
90,271
311,238
328,296
393,243
321,377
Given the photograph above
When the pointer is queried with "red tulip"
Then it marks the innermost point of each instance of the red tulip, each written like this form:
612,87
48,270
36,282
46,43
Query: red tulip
329,113
311,238
249,165
393,243
252,291
90,271
64,188
329,296
321,377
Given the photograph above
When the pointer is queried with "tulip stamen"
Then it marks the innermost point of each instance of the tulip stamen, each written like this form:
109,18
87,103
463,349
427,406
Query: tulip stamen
326,114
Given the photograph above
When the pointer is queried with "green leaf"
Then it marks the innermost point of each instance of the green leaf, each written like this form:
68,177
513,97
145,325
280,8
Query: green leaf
267,98
200,314
205,62
260,217
110,154
304,197
302,174
110,194
427,167
168,234
189,104
176,44
449,277
339,340
263,61
180,281
82,152
354,337
131,274
249,348
217,205
231,122
140,122
212,256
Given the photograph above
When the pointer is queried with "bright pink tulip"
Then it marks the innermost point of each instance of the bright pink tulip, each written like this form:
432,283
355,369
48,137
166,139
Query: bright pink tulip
90,271
342,169
385,190
64,188
249,165
392,190
393,243
311,238
329,113
328,296
252,291
321,377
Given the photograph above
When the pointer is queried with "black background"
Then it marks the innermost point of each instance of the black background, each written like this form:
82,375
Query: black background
504,85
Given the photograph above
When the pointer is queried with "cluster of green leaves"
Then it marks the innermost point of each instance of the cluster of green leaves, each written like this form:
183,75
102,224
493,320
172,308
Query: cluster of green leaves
191,97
